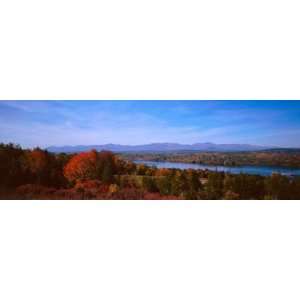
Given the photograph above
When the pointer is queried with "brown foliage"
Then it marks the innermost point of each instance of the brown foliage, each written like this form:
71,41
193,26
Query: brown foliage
88,184
229,195
163,172
34,191
36,160
158,196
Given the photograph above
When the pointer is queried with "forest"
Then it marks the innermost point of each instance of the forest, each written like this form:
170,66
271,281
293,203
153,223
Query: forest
39,174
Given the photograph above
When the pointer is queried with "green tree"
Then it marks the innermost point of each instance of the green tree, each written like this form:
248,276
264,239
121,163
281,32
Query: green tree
149,184
214,186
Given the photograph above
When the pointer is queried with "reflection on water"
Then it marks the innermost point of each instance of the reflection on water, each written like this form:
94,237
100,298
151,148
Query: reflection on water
255,170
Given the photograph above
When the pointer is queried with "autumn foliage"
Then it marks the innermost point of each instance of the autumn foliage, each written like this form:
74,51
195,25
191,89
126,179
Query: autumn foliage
90,165
36,160
82,166
38,174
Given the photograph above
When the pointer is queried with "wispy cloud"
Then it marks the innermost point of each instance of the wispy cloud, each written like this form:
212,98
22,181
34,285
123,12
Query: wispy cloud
46,123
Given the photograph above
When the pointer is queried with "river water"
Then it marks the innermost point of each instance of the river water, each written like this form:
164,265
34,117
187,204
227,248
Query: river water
254,170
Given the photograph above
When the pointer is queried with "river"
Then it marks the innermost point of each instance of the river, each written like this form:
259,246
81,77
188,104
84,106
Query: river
254,170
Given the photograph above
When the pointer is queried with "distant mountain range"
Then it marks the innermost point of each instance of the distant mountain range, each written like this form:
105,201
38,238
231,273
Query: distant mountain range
159,147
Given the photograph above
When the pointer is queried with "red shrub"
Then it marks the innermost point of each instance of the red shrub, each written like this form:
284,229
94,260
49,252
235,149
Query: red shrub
158,196
88,184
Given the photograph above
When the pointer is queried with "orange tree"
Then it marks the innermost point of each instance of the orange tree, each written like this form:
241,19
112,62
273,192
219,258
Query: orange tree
91,165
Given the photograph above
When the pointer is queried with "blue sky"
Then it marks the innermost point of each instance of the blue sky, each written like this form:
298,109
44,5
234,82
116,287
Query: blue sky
46,123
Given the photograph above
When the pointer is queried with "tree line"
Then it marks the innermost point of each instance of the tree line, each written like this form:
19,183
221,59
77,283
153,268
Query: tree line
39,174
